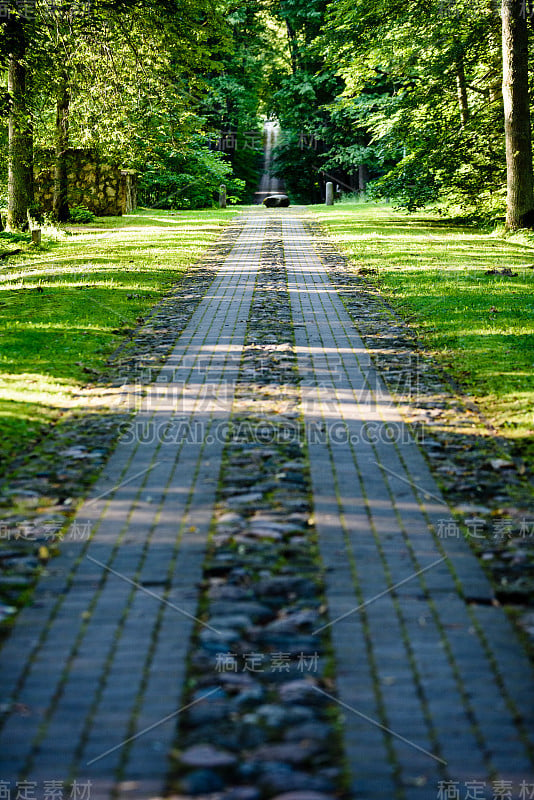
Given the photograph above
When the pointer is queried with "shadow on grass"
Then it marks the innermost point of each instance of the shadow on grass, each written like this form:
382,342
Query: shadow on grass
64,310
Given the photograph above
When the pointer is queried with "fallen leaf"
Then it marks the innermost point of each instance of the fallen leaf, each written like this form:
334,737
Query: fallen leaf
43,553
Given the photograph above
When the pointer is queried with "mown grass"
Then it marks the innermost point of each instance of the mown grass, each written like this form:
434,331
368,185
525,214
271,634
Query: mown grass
480,327
65,307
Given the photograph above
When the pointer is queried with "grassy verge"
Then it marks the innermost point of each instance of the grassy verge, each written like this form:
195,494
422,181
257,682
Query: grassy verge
479,326
66,306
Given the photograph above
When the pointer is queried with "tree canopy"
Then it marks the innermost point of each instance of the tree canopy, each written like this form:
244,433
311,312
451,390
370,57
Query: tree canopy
403,100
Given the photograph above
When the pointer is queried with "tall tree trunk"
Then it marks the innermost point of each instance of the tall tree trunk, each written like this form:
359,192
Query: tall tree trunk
461,89
520,196
20,140
61,187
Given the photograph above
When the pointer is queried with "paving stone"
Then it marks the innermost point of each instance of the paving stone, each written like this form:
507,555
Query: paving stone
202,782
205,755
385,494
289,753
425,668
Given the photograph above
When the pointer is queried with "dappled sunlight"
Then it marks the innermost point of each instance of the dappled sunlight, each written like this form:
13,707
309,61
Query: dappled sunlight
202,225
478,325
407,254
512,413
98,260
47,394
145,231
113,281
207,219
30,402
58,327
64,309
324,352
394,235
44,267
39,379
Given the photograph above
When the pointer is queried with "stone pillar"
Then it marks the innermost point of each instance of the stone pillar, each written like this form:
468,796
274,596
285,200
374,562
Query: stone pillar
329,193
222,196
36,236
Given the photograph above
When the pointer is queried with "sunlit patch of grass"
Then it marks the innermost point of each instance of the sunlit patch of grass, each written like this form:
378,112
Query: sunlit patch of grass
481,327
65,307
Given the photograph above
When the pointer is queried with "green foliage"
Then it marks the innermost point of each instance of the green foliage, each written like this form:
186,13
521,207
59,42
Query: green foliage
327,138
3,163
233,98
188,179
81,214
410,182
300,102
132,74
488,209
14,237
423,87
409,92
295,161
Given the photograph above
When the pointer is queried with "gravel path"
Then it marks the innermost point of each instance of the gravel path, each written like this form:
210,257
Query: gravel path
267,596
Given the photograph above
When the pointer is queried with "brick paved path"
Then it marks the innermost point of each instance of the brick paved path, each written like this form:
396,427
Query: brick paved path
435,688
446,675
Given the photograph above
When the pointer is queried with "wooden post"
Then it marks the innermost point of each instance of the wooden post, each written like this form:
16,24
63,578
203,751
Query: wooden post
222,196
36,236
329,193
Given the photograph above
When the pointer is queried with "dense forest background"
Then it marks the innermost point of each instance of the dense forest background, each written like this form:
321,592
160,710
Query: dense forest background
401,100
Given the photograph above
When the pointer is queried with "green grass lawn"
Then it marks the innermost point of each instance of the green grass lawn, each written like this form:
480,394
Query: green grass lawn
65,307
480,327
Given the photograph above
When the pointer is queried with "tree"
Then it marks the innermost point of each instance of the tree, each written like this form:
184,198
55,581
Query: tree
20,134
125,82
420,84
520,197
301,101
129,79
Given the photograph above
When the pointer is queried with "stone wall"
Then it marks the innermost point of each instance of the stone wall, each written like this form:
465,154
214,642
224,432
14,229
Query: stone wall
103,188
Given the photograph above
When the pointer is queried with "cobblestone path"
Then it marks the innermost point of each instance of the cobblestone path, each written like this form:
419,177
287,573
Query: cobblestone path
434,689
